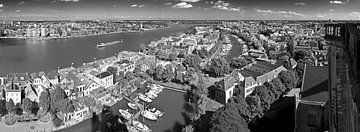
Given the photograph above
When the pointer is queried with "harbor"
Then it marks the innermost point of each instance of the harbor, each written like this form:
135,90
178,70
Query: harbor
171,120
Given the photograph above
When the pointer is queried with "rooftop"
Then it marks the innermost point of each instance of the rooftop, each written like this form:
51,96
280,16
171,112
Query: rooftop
103,75
315,84
227,83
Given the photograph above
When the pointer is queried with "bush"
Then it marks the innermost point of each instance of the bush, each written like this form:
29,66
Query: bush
45,117
56,121
10,119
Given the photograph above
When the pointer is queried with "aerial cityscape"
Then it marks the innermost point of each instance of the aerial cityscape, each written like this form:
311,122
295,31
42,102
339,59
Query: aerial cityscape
179,66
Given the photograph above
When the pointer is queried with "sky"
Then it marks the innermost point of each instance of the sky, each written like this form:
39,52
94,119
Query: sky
180,9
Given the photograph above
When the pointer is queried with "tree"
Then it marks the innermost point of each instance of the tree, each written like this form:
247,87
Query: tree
168,73
137,70
27,105
201,83
228,119
218,67
239,62
159,73
255,105
151,71
264,94
288,78
10,106
66,106
3,107
172,56
279,85
274,91
191,30
44,101
242,107
302,54
193,61
56,96
129,75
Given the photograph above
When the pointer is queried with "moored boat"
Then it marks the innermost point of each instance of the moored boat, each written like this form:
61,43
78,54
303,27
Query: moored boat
125,113
140,126
132,106
156,112
131,129
144,98
148,115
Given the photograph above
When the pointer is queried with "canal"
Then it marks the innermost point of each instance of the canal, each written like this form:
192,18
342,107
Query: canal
169,101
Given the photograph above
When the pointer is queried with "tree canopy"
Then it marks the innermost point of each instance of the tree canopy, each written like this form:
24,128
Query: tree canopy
288,78
3,110
44,101
228,120
10,106
193,61
239,62
218,67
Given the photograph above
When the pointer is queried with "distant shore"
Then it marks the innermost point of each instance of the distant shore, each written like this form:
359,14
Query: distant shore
49,38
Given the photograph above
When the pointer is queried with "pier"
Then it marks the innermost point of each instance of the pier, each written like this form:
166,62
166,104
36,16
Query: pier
175,89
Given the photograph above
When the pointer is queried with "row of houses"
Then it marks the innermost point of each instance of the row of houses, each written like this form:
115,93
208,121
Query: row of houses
246,78
91,80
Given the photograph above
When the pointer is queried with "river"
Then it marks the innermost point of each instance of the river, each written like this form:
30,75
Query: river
18,55
43,55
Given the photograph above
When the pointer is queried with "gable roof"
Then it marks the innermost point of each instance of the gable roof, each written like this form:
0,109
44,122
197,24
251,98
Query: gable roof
227,83
315,84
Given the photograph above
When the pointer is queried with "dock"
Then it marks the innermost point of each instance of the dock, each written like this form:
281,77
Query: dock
172,88
175,89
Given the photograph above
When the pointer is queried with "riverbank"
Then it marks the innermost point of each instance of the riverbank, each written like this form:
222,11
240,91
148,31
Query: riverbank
50,38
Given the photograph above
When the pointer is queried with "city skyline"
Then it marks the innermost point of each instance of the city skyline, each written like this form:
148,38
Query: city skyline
179,9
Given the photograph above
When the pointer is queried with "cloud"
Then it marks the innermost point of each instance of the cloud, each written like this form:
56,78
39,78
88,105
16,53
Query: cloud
296,14
337,2
169,3
331,10
182,5
1,5
22,3
135,5
280,12
1,11
300,4
356,14
70,0
221,5
17,11
192,1
264,11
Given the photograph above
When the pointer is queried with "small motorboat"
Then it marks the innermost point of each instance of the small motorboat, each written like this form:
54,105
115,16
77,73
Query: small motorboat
156,112
138,125
132,106
144,98
148,115
151,96
131,129
125,113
